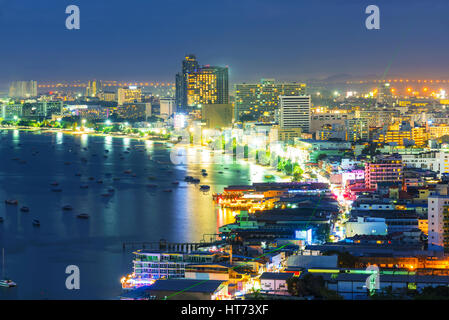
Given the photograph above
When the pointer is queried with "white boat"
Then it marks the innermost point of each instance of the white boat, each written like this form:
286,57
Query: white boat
5,282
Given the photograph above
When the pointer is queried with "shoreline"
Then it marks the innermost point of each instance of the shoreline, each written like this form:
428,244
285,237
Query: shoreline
272,171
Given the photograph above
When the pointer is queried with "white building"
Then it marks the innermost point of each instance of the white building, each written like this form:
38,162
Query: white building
436,204
167,107
437,161
294,112
366,226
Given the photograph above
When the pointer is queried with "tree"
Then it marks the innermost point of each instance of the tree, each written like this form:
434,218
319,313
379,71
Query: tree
310,285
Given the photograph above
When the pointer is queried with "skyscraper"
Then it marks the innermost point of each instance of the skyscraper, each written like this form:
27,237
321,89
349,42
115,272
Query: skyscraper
197,85
189,65
208,85
294,112
23,89
93,87
256,99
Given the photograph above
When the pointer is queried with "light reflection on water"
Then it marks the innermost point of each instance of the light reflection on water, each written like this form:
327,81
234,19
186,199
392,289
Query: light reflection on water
37,257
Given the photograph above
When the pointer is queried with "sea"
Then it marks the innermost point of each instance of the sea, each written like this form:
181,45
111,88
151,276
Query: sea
129,189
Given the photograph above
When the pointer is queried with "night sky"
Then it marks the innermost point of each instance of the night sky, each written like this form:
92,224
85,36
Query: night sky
282,39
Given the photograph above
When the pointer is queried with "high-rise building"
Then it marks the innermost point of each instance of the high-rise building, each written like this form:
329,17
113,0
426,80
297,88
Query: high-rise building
256,99
207,85
189,65
383,169
197,85
167,107
438,215
294,112
129,95
93,87
384,95
23,89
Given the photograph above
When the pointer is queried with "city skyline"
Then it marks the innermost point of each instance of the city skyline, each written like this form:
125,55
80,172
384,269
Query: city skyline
141,41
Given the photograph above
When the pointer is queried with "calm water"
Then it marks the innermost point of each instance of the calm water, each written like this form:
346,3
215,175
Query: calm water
36,257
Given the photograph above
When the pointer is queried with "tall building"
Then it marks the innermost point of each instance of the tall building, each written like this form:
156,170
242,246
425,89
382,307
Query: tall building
93,88
438,216
189,65
167,107
294,112
23,89
383,169
197,85
129,95
384,95
207,85
257,99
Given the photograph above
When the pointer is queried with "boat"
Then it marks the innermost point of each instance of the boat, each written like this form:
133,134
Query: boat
54,183
25,209
4,282
188,178
204,187
127,171
203,170
204,174
168,190
194,180
83,216
1,219
67,207
36,223
175,183
12,202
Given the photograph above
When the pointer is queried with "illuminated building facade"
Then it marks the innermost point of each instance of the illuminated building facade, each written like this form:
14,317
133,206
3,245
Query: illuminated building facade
383,169
189,65
256,99
207,85
128,95
294,112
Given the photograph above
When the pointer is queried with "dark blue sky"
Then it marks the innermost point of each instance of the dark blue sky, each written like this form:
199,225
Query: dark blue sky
287,40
